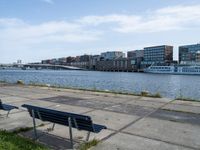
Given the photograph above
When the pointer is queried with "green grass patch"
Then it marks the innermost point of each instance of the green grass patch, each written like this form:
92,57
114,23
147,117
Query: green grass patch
12,141
20,82
20,130
25,129
87,145
147,94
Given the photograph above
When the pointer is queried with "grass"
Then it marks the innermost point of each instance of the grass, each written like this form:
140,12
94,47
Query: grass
25,129
20,82
12,141
20,130
87,145
147,94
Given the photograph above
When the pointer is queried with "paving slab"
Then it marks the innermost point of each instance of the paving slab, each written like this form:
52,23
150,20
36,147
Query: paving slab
16,120
188,103
182,117
114,100
76,101
112,120
152,99
131,109
13,99
152,104
178,133
72,109
183,108
3,95
123,141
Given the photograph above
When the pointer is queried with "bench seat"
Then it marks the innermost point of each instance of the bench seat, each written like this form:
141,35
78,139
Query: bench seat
7,107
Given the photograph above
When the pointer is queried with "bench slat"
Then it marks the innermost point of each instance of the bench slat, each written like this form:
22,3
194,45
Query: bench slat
81,122
8,107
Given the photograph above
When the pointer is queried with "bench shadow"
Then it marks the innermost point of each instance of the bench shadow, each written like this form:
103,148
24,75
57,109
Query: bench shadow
52,141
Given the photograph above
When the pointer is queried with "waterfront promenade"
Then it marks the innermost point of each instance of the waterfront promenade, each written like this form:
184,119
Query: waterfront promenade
134,123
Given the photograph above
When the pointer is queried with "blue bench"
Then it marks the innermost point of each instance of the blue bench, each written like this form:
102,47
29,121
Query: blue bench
80,122
7,107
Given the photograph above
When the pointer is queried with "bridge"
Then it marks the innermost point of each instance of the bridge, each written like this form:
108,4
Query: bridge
49,66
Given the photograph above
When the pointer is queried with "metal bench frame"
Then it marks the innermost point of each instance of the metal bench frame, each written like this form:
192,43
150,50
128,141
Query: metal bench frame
7,108
34,112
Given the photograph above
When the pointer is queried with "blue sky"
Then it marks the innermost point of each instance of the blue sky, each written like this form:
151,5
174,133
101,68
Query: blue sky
32,30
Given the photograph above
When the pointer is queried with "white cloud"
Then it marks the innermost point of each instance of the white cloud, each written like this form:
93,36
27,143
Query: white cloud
10,22
165,19
55,31
20,40
48,1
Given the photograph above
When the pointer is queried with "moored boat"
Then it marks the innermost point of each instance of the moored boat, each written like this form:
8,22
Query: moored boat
191,70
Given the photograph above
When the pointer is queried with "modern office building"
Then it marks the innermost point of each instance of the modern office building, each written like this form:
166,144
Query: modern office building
158,55
189,54
137,57
135,53
111,55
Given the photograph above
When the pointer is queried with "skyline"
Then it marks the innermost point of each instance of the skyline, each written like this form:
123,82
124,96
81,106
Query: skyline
40,29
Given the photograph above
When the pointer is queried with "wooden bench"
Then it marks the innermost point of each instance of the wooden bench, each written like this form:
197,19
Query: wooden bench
7,107
80,122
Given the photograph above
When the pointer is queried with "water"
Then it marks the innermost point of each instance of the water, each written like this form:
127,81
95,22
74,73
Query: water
170,86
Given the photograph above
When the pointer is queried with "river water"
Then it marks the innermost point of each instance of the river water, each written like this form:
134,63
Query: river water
170,86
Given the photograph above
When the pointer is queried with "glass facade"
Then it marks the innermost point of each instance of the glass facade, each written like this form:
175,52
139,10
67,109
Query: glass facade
158,55
189,54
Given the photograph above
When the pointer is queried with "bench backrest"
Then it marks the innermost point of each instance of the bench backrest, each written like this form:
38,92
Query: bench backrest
81,122
1,104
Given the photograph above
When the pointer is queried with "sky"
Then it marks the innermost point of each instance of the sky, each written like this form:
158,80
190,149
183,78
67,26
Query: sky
33,30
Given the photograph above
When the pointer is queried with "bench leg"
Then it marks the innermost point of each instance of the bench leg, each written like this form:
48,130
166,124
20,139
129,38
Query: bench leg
88,136
53,127
70,131
34,124
8,113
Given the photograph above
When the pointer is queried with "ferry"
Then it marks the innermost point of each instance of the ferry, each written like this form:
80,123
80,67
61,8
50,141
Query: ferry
187,70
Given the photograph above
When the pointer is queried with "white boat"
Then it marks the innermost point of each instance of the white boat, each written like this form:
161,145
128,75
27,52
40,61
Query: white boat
191,70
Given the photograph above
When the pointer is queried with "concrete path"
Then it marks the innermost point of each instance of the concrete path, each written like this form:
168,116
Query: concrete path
134,123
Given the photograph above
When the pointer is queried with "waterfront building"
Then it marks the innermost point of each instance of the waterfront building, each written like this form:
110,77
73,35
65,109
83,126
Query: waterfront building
158,55
137,57
50,61
85,58
93,61
189,54
62,61
135,54
70,59
111,55
120,64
